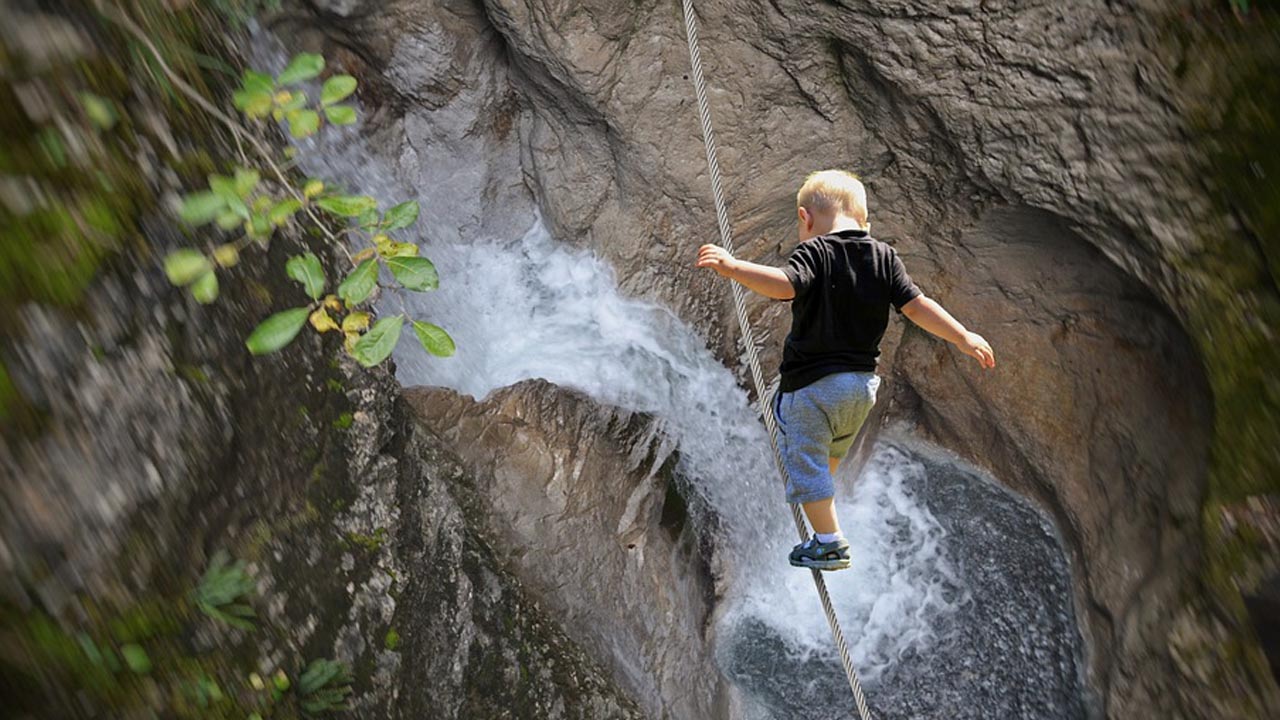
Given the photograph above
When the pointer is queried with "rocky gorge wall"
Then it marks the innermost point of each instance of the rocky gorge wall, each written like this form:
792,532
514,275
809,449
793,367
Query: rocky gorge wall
1030,161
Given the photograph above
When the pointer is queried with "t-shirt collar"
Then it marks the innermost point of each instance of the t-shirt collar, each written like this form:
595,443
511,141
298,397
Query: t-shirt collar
851,233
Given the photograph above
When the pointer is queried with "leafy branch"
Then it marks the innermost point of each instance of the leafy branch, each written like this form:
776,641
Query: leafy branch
253,208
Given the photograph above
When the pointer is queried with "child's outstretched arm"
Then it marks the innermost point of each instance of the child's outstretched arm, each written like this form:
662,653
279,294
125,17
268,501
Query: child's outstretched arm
931,316
768,281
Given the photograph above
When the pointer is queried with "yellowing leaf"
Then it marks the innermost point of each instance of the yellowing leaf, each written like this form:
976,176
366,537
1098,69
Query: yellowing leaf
355,322
332,303
226,255
402,249
321,321
363,255
312,188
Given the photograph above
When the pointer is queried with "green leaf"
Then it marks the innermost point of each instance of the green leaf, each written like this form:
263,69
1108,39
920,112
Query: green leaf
401,216
245,181
303,123
434,339
202,207
277,331
229,220
415,273
185,266
376,345
337,88
99,110
237,206
254,81
260,225
253,104
225,187
205,288
347,205
359,283
341,114
136,658
291,100
284,210
303,66
254,98
306,269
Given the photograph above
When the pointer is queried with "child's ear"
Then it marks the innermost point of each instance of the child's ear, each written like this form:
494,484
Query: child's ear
805,218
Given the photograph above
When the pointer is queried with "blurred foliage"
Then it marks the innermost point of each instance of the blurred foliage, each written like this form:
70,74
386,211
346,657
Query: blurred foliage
148,658
1230,76
223,592
78,111
1233,67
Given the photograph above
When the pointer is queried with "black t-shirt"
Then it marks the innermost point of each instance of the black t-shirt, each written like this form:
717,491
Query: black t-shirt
844,283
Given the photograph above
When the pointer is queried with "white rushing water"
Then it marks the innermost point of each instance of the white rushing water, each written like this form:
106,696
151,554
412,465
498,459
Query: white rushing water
523,306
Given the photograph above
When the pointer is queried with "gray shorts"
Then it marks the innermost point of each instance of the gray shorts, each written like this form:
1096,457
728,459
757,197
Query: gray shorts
820,421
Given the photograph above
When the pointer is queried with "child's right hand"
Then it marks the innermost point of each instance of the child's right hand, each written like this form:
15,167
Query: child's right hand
977,347
716,258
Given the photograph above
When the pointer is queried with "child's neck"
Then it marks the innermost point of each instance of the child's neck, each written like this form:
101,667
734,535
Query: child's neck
835,223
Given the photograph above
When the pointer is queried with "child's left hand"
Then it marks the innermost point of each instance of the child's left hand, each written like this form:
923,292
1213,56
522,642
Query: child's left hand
716,258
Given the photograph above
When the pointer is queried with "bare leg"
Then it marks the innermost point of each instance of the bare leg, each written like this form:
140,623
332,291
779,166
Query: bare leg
822,513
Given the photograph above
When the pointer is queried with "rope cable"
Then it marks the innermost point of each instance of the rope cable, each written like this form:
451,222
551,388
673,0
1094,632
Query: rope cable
752,352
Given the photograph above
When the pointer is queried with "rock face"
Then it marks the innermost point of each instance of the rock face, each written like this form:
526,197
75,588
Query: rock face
1028,161
584,500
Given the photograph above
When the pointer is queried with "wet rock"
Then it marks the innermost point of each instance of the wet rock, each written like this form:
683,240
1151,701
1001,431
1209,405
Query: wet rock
581,498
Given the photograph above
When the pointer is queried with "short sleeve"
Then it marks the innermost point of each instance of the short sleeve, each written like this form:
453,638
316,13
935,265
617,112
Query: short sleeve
802,268
901,288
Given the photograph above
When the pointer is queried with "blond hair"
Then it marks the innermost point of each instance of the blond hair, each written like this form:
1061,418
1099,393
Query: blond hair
838,190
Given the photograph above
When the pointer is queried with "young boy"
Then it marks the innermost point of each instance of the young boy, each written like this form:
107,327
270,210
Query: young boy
841,283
